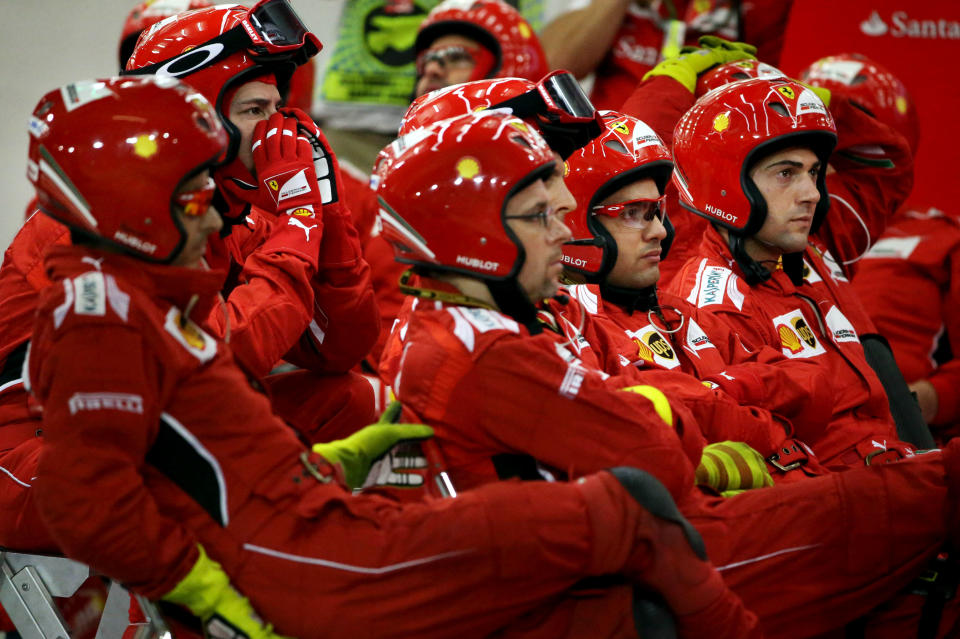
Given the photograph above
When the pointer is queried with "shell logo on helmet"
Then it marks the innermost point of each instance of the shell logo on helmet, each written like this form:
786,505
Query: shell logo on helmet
468,168
721,123
145,146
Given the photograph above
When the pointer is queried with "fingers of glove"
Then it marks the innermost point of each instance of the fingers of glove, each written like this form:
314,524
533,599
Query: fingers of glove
391,414
732,466
715,42
376,439
302,119
235,617
405,466
270,138
289,143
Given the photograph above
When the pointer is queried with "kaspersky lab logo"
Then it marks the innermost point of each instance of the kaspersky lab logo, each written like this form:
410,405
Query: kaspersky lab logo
901,25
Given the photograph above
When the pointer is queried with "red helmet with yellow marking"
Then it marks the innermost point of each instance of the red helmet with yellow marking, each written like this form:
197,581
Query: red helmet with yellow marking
626,151
872,87
107,158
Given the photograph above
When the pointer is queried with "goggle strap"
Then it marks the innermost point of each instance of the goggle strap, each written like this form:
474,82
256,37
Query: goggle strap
216,49
525,105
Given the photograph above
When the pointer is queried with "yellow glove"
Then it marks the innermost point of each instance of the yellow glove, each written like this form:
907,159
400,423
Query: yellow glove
356,453
693,61
207,593
732,467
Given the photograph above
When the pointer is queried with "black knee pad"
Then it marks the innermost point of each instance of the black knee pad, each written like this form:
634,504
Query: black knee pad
655,498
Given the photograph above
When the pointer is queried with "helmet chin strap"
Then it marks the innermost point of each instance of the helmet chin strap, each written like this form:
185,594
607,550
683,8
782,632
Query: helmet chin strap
753,272
512,300
630,299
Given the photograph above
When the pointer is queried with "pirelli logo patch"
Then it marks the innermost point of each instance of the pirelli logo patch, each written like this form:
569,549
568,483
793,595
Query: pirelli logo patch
123,402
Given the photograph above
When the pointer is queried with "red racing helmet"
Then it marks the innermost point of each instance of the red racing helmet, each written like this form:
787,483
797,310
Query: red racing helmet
146,14
726,131
443,189
556,106
108,156
496,26
443,192
720,138
224,46
626,151
734,72
870,86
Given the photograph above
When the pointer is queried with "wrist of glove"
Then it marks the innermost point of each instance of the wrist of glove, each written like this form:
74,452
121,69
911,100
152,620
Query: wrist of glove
207,593
358,452
731,467
693,61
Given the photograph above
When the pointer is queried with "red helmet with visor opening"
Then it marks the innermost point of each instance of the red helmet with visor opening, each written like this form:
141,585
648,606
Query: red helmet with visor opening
107,158
443,192
872,87
726,132
626,151
495,25
220,48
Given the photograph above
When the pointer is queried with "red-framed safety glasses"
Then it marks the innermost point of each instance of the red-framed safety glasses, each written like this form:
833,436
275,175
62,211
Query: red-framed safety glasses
636,214
196,203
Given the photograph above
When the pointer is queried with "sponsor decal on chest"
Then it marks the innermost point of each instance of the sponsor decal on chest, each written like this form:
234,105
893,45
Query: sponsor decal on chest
653,347
697,340
190,336
714,283
797,339
840,327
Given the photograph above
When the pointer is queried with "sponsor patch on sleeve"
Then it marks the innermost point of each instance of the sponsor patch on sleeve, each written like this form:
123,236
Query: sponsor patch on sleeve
190,336
697,340
797,339
123,402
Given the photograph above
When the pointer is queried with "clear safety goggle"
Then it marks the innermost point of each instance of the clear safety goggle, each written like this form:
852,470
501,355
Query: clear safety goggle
271,32
454,55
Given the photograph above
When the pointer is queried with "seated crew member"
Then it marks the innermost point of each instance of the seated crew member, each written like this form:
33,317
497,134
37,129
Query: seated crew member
164,469
566,131
301,295
499,385
620,237
754,269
